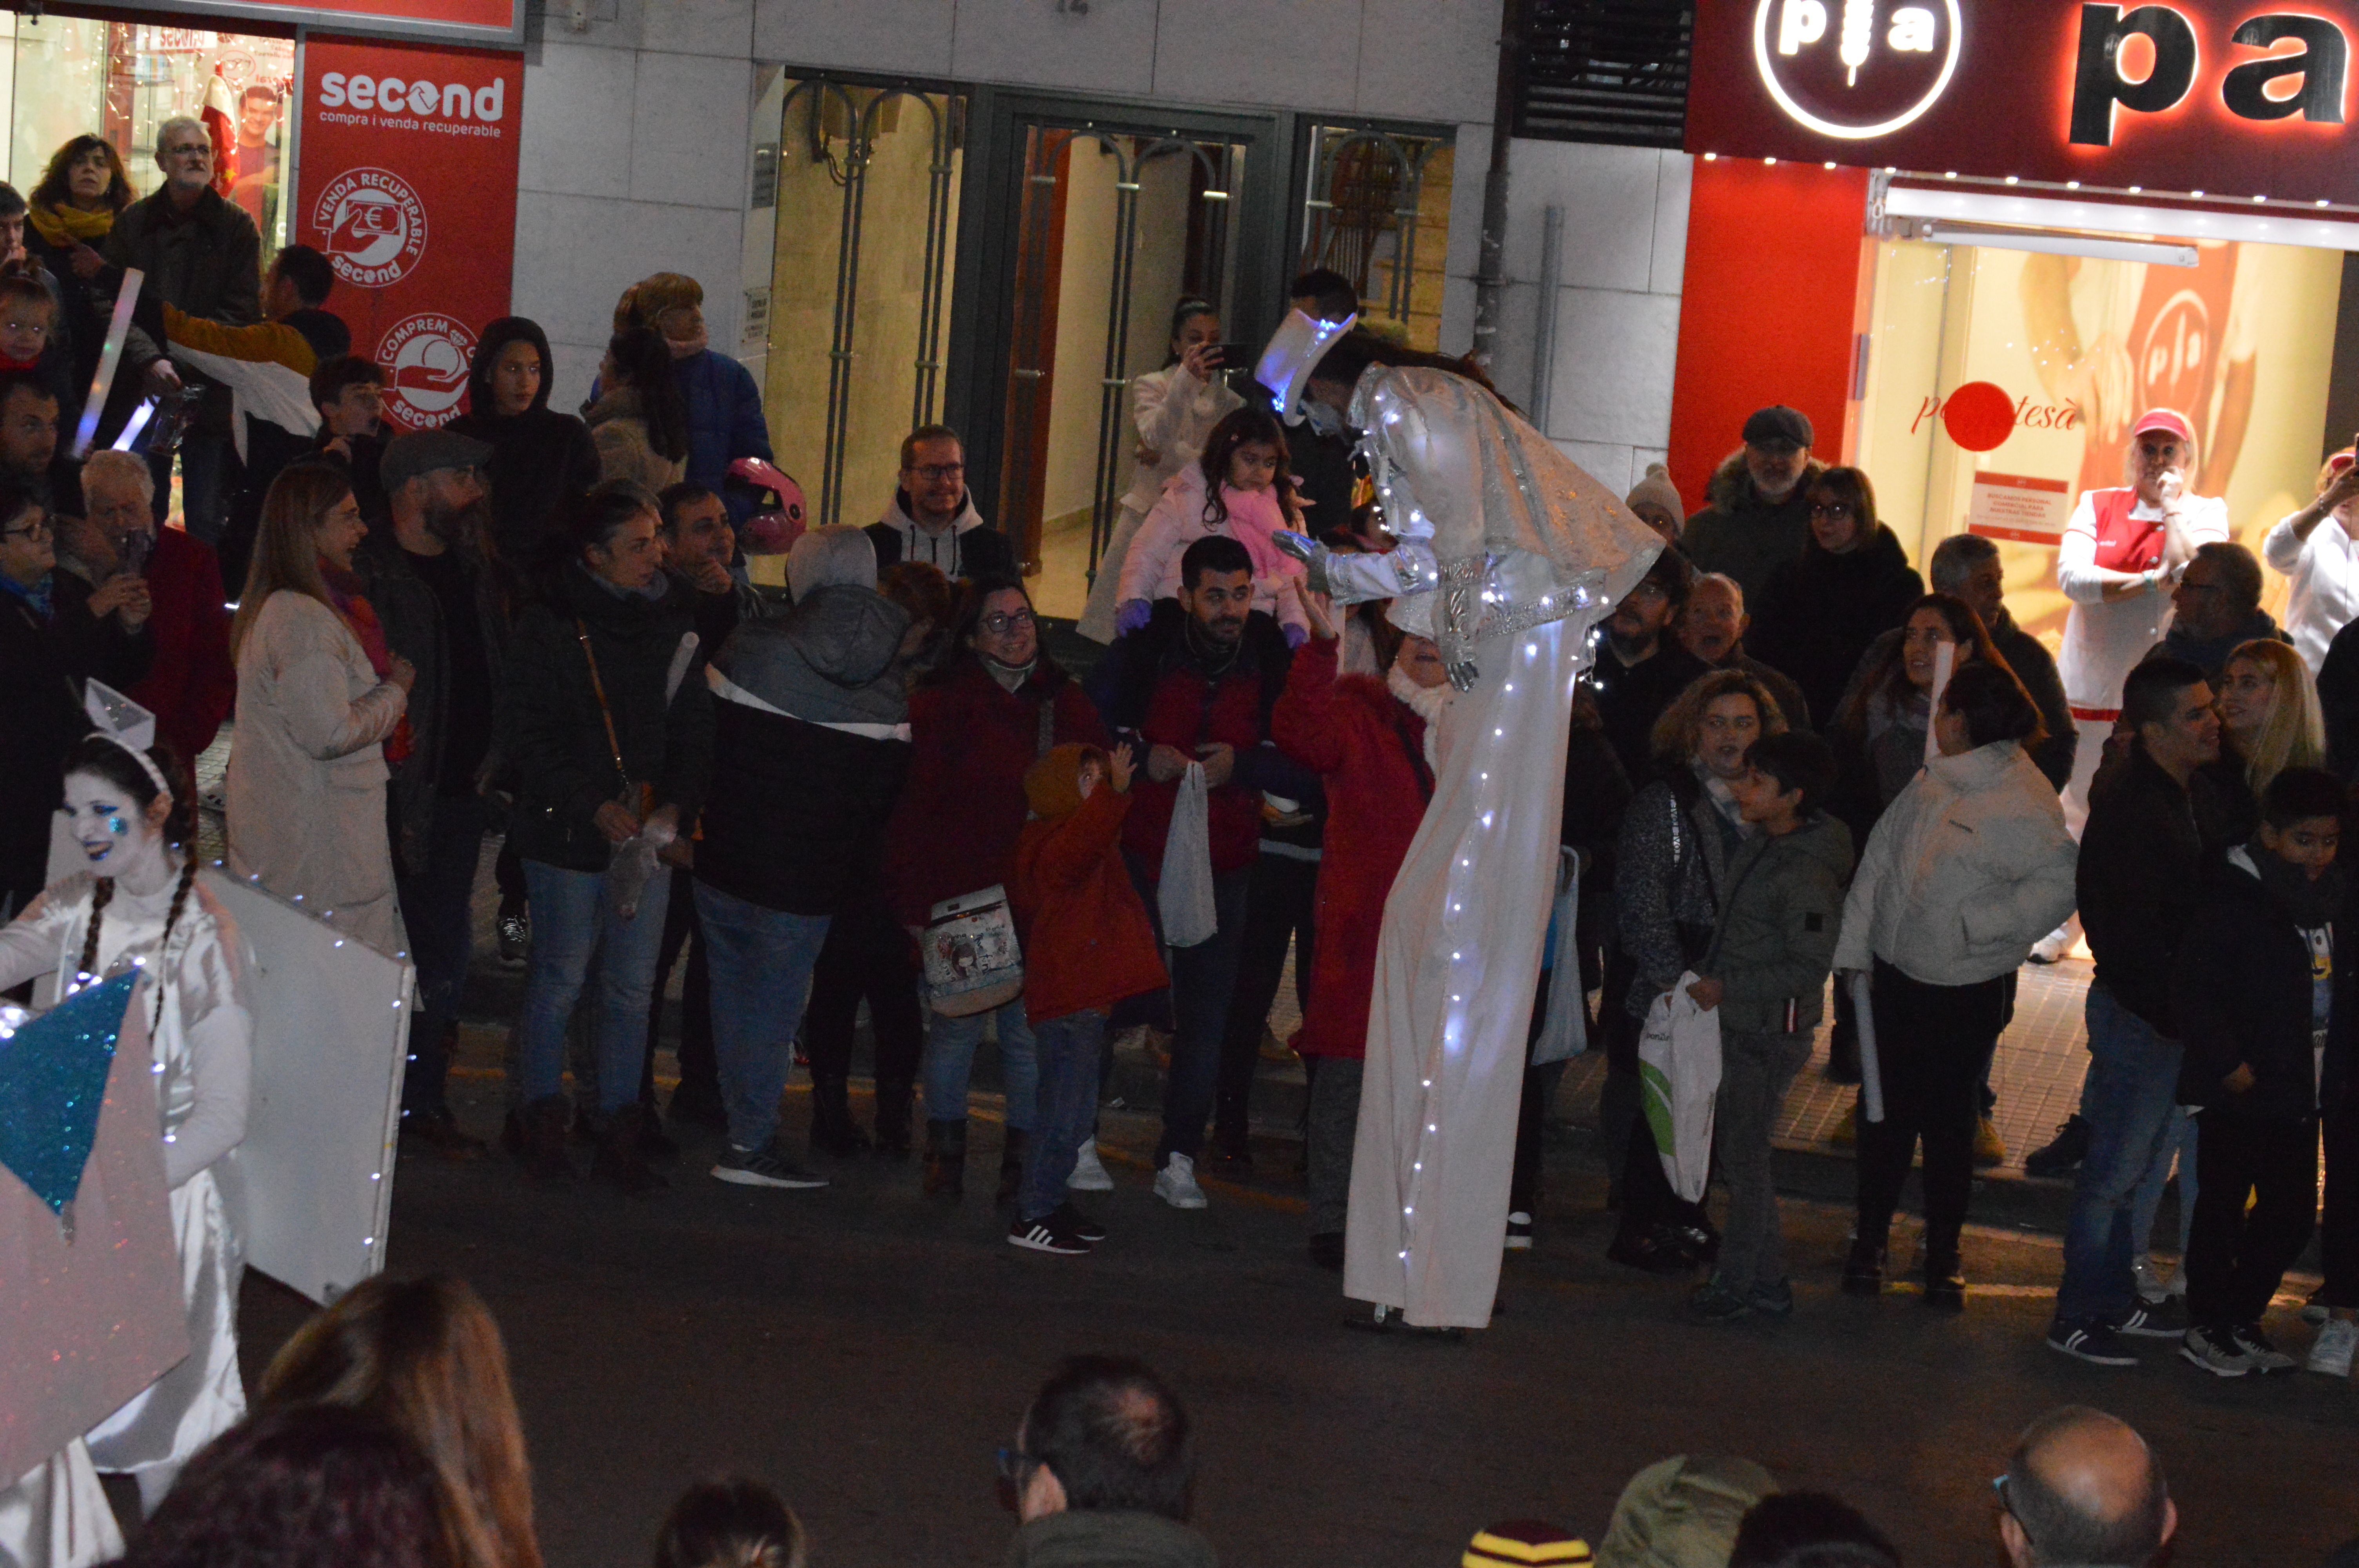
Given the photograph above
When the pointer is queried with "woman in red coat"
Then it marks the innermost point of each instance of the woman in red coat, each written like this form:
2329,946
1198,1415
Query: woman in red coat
996,706
1373,743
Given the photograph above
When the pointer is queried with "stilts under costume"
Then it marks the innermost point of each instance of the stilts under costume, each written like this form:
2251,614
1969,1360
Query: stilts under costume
1509,553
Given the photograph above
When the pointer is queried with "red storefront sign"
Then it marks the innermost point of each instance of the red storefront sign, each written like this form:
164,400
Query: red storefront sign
2193,95
454,21
408,186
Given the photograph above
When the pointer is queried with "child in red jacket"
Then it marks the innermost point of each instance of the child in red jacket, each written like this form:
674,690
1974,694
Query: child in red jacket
1087,945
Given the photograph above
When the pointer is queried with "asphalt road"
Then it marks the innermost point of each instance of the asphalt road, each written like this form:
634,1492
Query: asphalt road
865,1348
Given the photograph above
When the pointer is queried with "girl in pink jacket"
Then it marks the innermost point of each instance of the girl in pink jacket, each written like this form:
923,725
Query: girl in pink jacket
1242,488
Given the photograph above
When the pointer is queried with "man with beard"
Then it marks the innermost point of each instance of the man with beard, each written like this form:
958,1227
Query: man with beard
1758,514
1639,666
435,593
28,443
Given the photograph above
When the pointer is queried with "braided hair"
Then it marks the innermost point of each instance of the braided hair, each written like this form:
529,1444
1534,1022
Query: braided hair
110,760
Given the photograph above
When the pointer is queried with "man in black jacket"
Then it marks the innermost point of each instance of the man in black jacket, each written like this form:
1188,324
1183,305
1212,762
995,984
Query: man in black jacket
2254,991
811,744
2152,831
1640,668
202,254
431,588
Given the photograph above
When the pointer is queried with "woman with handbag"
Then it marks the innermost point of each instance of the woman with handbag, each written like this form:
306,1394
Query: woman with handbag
613,747
996,706
320,713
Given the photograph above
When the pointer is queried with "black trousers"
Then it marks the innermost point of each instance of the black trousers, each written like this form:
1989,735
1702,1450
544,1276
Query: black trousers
700,1072
1933,1044
2236,1257
1539,1088
2338,1240
868,954
1279,908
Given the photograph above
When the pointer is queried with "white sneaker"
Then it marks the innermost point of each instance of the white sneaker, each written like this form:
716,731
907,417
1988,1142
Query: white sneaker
2330,1352
2153,1286
1089,1171
1176,1184
2050,947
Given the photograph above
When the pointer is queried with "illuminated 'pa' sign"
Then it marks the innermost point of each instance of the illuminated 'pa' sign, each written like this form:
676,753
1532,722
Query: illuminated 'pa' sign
2308,82
1856,68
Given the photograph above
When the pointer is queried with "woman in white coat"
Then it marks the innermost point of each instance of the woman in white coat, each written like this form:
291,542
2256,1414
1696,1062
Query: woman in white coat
320,700
139,904
1966,868
1174,409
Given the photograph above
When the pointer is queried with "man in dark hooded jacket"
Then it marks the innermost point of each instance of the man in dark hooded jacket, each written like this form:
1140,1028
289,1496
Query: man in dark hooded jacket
1757,510
812,740
540,458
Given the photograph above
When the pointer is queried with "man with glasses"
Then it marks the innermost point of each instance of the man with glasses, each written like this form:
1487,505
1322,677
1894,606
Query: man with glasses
933,518
1757,514
203,255
2216,608
116,541
2084,1488
57,634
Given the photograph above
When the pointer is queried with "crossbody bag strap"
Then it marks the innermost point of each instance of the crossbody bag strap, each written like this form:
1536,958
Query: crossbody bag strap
1048,736
598,686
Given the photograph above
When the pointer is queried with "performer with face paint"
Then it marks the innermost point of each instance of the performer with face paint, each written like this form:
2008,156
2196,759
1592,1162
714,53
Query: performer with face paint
1509,553
139,904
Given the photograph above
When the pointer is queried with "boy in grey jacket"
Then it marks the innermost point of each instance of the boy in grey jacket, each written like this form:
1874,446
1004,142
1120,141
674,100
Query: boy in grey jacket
1765,974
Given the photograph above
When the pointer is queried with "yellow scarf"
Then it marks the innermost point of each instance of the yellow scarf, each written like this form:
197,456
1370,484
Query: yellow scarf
62,225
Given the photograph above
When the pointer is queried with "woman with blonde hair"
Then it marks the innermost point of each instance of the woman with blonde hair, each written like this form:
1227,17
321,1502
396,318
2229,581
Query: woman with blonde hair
2269,720
321,705
426,1357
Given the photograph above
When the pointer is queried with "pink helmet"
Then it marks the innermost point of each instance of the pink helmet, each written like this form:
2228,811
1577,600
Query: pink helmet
778,517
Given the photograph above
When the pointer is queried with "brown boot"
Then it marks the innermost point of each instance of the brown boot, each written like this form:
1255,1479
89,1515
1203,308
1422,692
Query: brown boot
543,1124
1011,1163
946,1159
621,1161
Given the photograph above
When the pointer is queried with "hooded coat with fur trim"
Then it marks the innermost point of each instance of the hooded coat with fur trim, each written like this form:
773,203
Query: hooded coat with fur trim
1743,534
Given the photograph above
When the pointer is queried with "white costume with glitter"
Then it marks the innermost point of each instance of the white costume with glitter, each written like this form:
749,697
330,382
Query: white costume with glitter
202,1035
1509,555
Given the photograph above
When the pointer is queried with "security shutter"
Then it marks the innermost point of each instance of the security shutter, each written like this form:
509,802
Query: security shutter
1605,71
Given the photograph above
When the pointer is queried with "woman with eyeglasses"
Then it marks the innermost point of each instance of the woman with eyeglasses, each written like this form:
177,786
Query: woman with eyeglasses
56,632
996,705
1852,581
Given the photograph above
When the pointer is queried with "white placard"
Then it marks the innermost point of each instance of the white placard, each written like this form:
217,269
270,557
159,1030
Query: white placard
2020,507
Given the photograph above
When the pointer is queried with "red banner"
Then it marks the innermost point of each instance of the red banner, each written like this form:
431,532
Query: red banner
409,188
2230,98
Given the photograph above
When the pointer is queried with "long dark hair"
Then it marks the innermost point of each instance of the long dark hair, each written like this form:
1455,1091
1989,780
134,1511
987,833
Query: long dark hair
53,191
114,762
643,363
591,520
1358,348
1238,428
1885,675
1187,310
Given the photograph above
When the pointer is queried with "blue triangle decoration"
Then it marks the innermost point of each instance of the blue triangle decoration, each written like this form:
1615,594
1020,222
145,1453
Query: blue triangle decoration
53,1074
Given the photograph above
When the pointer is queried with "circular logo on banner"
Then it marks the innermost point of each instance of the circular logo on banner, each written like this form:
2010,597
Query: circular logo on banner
373,226
425,360
1852,68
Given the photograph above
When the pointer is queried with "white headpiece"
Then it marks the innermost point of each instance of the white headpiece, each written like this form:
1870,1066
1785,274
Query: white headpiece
1294,351
117,719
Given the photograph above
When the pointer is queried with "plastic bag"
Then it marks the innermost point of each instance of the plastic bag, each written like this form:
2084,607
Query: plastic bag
1564,1034
634,865
1184,896
1678,1080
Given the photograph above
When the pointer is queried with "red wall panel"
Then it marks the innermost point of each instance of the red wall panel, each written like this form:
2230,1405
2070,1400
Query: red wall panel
1765,312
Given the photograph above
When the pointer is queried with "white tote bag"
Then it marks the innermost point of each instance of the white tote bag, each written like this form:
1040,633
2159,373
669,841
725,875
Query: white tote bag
1184,896
1679,1077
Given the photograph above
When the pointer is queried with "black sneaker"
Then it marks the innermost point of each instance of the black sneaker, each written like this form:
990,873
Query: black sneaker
2165,1319
2095,1343
2063,1153
1080,1223
762,1167
1711,1304
1047,1234
515,933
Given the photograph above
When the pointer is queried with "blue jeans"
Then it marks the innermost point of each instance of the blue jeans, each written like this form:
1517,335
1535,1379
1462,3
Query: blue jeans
573,917
2132,1090
761,961
1068,1052
437,911
949,1062
1203,979
2177,1139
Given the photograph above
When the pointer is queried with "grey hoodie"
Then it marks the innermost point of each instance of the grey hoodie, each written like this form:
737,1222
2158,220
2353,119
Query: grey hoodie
1107,1538
1775,941
830,661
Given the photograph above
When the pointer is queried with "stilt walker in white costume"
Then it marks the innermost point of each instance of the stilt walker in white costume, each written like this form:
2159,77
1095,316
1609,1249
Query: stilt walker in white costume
1509,553
141,905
